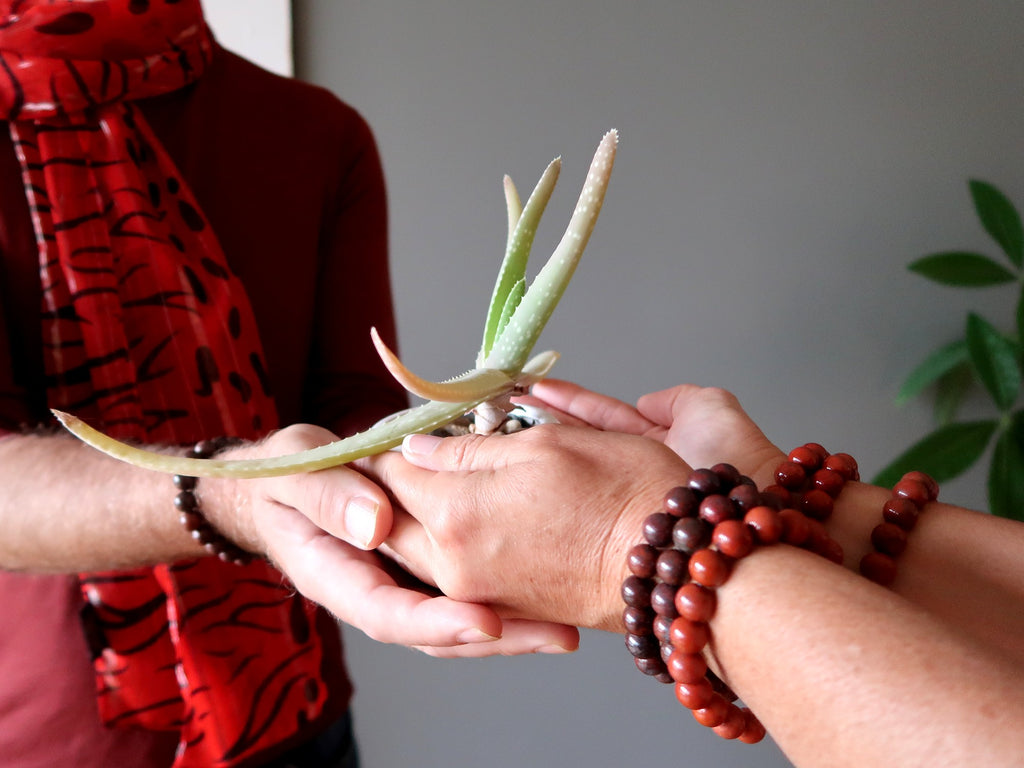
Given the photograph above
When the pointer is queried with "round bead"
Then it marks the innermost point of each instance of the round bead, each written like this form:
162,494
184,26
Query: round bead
777,497
754,732
690,534
192,521
671,567
688,636
880,568
714,713
795,527
817,504
695,695
844,464
643,646
638,621
663,600
829,481
819,449
727,473
765,524
704,482
695,603
902,512
889,539
745,498
681,502
658,529
686,667
709,568
912,489
831,550
733,539
636,592
186,502
790,475
734,725
642,560
716,508
816,535
661,627
651,667
805,457
929,483
185,482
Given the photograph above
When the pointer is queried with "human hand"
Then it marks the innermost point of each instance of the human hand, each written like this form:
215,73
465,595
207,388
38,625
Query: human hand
320,528
703,425
533,524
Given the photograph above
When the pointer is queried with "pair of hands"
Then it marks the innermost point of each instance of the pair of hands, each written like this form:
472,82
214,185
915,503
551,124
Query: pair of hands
507,542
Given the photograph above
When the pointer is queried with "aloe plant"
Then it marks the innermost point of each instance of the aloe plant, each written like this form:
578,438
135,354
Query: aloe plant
983,356
515,318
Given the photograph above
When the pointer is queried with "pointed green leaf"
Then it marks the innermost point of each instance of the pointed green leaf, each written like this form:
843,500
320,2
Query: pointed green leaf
944,454
935,366
1006,473
517,251
994,358
1000,219
962,268
950,392
514,297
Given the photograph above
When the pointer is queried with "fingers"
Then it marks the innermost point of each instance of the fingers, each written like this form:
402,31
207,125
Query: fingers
597,410
519,636
659,407
467,453
339,501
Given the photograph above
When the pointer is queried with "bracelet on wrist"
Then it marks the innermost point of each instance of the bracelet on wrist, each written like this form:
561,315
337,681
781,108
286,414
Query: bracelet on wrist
191,514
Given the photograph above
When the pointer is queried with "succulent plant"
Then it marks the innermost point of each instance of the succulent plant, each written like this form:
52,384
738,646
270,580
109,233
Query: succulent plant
516,316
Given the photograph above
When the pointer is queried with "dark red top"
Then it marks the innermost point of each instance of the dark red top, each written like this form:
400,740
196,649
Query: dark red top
291,181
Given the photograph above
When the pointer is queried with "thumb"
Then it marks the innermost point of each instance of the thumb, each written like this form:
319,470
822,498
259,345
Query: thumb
466,453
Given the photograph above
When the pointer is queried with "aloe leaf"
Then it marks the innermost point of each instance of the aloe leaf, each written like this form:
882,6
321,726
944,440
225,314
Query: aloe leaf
530,317
932,368
513,206
944,454
517,253
994,358
1006,473
1000,219
514,297
964,269
950,392
377,439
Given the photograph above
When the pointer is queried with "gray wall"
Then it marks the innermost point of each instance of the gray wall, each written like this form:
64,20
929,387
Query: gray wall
780,163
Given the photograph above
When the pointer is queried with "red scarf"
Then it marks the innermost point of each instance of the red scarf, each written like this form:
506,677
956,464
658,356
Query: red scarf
148,334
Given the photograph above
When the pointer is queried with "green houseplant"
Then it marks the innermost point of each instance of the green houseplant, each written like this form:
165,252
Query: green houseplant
984,357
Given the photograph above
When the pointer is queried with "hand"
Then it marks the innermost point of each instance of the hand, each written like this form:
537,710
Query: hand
703,425
319,529
533,524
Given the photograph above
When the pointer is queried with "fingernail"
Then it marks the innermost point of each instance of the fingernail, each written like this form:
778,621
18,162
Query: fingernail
361,520
474,635
552,649
423,445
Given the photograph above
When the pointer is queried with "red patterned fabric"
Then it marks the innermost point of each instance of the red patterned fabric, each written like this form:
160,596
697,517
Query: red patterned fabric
149,335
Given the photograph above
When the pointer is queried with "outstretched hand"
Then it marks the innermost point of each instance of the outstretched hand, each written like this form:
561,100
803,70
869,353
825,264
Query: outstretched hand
320,530
703,425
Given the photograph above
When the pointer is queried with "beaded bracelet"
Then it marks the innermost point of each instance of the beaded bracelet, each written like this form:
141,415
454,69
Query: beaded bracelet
899,516
192,517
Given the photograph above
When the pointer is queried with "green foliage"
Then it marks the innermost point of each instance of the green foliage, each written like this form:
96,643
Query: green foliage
984,357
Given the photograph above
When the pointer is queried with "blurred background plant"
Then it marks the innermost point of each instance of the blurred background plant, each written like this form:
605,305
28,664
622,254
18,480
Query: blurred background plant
984,357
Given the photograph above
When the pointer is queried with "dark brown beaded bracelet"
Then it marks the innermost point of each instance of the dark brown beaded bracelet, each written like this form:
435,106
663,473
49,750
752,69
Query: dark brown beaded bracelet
911,494
192,518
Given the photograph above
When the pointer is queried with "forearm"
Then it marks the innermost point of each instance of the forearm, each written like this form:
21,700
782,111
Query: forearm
843,672
68,508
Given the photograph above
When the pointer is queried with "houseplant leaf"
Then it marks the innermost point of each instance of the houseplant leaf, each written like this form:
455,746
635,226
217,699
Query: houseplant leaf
944,454
950,391
962,268
994,358
1006,473
1000,219
932,368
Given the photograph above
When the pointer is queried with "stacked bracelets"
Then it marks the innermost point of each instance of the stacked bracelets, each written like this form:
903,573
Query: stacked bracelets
704,527
192,517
